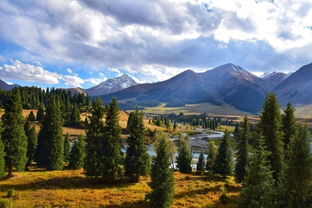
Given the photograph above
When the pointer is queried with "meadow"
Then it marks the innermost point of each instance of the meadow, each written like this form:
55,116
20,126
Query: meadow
70,188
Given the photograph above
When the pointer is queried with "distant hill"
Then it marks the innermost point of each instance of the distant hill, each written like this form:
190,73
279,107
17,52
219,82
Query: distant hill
272,79
6,86
77,90
297,88
229,84
111,85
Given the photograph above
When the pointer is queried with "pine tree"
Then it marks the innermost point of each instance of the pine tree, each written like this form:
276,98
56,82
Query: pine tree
298,174
40,114
184,157
77,154
223,164
130,120
242,152
50,141
13,135
162,181
111,160
289,125
212,155
75,116
174,126
31,116
271,131
66,148
32,139
137,161
258,185
200,167
2,156
94,139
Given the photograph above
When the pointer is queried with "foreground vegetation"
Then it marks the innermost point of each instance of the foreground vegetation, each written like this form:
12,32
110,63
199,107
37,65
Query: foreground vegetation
70,188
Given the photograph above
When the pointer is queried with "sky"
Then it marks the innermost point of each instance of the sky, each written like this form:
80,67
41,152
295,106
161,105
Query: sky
80,43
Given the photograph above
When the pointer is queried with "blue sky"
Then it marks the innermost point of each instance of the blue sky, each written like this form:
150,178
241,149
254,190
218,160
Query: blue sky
66,43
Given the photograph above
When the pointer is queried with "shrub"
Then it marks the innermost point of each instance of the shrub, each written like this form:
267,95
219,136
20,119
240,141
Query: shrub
11,193
5,203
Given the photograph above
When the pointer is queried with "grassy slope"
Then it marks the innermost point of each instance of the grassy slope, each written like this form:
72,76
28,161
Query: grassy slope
196,108
72,189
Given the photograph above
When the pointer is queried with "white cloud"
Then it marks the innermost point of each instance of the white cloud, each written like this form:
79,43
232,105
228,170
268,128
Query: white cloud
154,38
28,73
69,70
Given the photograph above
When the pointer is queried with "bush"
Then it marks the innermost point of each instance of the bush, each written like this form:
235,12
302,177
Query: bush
5,203
224,199
11,193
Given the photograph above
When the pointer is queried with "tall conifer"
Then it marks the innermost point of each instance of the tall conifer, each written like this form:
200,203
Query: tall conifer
162,181
137,161
242,152
200,167
13,135
224,164
212,154
2,155
111,155
94,139
289,125
298,173
66,148
184,157
258,185
32,139
77,154
271,131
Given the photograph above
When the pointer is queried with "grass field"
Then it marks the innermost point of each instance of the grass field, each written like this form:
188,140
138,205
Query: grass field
196,109
71,189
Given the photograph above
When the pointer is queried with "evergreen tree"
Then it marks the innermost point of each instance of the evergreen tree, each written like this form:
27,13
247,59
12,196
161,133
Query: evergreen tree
289,125
298,174
2,156
184,157
137,161
223,164
13,135
111,160
212,155
130,120
258,185
271,130
50,141
31,116
32,139
75,116
94,139
40,114
242,152
66,148
77,154
162,181
174,126
200,167
236,131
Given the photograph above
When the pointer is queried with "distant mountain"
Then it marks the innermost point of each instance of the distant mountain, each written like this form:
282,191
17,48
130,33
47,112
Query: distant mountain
228,83
111,85
77,90
6,86
272,79
297,88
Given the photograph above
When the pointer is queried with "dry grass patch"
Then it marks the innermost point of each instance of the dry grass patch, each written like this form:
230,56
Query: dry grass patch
71,189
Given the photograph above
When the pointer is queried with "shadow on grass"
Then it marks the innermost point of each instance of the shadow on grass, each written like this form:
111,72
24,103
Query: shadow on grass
68,183
136,204
193,193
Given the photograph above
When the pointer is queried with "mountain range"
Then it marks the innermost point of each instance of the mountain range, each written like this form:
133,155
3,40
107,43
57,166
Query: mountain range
227,84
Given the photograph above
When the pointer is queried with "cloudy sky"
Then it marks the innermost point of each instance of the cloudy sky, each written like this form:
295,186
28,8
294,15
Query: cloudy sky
67,43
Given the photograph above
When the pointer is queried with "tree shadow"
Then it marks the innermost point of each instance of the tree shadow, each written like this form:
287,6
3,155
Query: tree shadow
135,204
193,193
69,183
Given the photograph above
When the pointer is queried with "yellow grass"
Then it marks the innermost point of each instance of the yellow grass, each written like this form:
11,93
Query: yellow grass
228,128
72,189
224,109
